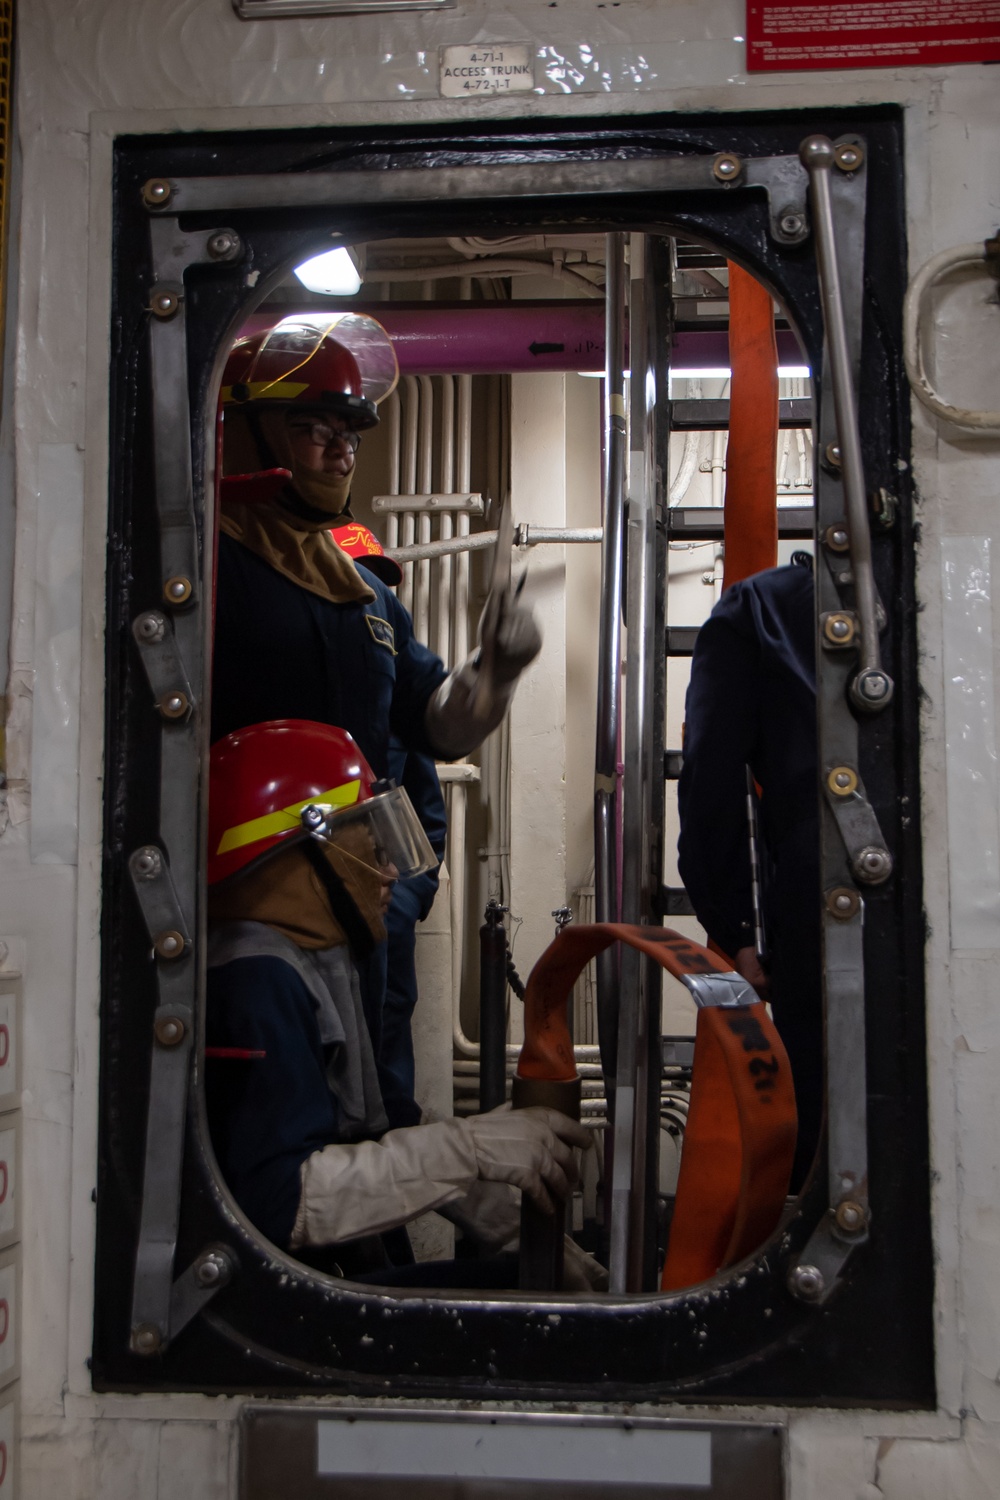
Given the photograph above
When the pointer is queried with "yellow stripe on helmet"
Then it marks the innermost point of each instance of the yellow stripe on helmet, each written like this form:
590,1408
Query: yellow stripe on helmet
286,818
277,390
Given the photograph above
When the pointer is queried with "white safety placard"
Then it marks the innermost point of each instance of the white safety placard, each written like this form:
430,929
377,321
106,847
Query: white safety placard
492,69
528,1452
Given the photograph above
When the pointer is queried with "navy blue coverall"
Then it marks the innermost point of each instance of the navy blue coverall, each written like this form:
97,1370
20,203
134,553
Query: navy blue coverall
268,1113
752,701
411,902
282,652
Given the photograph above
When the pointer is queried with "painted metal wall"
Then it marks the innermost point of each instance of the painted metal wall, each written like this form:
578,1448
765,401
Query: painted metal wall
88,72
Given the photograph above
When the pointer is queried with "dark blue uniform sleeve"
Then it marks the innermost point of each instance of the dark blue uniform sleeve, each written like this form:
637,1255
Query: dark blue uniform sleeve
283,652
720,735
266,1114
418,673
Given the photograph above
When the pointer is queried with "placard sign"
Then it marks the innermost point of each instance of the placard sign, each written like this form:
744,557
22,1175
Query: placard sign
489,69
789,34
354,1453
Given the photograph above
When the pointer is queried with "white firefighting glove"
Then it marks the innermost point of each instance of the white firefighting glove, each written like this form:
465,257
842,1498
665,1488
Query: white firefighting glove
473,699
353,1190
491,1213
581,1272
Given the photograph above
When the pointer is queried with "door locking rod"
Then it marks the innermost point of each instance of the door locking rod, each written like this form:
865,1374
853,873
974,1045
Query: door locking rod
871,687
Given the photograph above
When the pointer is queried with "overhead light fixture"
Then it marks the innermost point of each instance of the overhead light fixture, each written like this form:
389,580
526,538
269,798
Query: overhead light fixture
331,273
721,372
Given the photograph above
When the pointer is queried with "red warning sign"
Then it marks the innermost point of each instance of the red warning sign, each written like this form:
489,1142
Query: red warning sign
787,34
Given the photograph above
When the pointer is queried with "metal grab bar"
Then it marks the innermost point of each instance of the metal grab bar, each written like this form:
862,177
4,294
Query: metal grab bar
980,253
871,688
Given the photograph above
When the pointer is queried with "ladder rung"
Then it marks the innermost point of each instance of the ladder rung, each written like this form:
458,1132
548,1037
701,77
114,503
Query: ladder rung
705,523
678,1052
713,415
681,639
674,901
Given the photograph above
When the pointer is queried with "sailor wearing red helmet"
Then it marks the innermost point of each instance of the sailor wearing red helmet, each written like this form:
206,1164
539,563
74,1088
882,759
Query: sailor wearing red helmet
303,845
301,631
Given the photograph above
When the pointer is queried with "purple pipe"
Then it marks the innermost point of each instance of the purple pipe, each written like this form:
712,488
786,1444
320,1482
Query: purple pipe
501,339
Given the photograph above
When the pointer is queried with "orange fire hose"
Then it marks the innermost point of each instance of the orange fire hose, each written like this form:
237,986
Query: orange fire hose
740,1135
751,513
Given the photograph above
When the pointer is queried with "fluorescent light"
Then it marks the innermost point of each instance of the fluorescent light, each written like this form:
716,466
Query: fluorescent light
719,372
333,273
785,372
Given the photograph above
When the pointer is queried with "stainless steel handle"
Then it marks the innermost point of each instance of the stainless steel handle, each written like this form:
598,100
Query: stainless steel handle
871,688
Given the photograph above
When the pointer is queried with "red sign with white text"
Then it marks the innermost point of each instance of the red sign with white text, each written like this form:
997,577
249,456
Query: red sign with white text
788,34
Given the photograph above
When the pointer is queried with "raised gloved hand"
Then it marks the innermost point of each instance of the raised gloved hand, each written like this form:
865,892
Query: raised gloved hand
508,634
473,699
581,1272
351,1190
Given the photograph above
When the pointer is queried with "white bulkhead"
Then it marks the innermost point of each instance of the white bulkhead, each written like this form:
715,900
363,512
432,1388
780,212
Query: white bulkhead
87,73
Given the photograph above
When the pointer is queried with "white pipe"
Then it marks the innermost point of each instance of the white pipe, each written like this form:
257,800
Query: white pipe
410,415
783,459
425,480
685,473
394,443
392,522
422,588
446,528
405,590
409,479
459,770
525,536
980,253
719,444
456,793
445,569
804,480
447,433
426,442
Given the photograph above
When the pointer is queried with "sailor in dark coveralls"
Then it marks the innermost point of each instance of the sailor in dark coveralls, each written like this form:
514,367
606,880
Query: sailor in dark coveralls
752,702
302,630
304,844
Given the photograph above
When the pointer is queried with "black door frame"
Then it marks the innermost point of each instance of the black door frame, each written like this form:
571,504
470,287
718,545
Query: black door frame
239,1315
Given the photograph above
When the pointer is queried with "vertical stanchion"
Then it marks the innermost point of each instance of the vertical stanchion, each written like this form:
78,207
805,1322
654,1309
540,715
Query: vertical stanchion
492,1009
609,647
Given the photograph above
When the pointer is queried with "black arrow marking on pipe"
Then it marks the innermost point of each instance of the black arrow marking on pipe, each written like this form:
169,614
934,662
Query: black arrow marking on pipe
537,348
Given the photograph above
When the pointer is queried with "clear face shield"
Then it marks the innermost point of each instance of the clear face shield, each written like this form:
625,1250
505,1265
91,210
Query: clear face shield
387,820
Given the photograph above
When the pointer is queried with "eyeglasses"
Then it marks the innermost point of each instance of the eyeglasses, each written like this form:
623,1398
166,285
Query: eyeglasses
324,436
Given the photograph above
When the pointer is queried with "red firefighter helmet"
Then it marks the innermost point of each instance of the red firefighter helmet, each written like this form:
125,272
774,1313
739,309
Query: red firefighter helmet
345,365
263,778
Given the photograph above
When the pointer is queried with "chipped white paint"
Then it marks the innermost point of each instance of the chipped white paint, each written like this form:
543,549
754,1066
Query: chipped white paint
88,71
